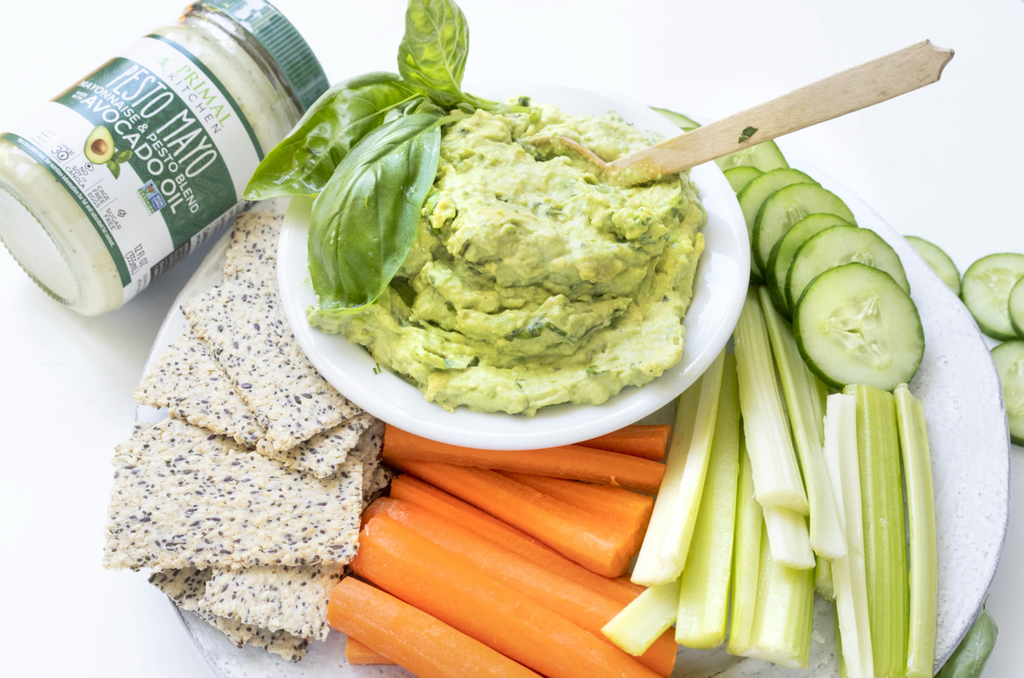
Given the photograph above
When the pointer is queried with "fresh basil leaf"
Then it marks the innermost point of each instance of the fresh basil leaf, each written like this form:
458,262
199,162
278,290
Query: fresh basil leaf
433,51
305,160
968,659
365,221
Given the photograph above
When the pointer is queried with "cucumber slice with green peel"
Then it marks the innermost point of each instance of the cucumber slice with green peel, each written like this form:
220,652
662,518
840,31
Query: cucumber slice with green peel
759,190
838,246
678,119
986,288
782,255
938,260
855,325
785,208
739,177
765,157
1017,307
1009,360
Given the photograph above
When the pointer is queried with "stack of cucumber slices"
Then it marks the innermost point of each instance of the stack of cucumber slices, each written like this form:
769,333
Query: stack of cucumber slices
843,287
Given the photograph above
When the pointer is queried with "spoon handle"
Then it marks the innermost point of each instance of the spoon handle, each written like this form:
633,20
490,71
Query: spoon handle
851,90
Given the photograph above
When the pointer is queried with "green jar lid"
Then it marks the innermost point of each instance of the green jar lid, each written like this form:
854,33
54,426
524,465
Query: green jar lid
291,53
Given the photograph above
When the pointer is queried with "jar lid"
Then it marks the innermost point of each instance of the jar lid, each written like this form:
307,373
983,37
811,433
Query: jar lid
284,45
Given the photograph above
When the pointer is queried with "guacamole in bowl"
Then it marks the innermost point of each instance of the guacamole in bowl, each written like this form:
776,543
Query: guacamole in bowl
532,281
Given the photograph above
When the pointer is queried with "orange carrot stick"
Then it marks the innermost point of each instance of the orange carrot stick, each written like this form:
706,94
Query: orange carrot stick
358,654
619,507
575,534
443,585
413,639
585,608
407,488
569,461
646,442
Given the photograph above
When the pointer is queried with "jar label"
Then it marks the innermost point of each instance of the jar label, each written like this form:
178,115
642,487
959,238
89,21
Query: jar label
154,150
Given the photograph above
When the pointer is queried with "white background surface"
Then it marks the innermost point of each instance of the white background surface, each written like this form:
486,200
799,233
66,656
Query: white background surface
943,163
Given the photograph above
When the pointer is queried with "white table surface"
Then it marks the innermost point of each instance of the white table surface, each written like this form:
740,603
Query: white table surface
944,163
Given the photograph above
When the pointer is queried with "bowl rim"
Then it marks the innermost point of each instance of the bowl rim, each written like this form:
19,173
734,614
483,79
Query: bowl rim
727,246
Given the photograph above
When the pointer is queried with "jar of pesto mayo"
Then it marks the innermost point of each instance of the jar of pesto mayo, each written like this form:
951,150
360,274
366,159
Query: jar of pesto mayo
133,167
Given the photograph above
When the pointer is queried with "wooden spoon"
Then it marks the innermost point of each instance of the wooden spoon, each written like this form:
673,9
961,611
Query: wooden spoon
851,90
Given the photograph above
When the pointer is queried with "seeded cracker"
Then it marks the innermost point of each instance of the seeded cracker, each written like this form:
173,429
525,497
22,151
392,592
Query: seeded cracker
183,497
186,589
248,335
191,385
322,454
292,599
252,252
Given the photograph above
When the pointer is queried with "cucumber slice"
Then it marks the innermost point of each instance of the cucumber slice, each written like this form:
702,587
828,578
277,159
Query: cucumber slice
782,255
765,157
739,177
759,190
986,292
1009,360
1017,307
855,325
837,246
789,205
938,260
678,119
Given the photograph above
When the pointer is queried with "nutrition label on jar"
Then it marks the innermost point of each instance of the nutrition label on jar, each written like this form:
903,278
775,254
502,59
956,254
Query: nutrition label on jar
154,151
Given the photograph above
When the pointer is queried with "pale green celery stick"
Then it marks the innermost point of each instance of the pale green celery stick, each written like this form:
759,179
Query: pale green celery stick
853,635
917,471
746,558
649,570
676,545
704,587
643,621
787,537
885,541
823,578
801,392
776,474
783,617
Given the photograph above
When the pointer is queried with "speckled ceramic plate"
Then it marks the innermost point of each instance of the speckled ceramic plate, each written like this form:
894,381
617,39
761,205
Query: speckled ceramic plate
970,460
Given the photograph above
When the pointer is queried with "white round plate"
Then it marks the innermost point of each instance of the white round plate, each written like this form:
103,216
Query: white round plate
718,294
970,450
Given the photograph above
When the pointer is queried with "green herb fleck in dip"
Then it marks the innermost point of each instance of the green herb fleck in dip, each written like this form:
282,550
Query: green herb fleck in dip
532,282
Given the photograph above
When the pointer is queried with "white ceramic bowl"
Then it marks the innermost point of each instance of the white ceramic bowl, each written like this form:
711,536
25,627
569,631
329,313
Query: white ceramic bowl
718,294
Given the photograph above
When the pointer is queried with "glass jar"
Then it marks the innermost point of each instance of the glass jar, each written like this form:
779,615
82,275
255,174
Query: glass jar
130,169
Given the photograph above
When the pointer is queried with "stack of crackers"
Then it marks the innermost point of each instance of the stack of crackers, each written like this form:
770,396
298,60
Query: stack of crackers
245,503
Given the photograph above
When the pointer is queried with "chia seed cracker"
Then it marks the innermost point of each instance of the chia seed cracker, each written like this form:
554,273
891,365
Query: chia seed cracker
252,251
289,599
186,589
246,330
322,454
183,497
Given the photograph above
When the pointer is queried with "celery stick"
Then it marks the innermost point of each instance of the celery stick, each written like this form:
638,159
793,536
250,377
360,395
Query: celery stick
746,556
917,470
787,537
885,541
679,469
781,631
704,587
823,578
643,621
853,637
801,391
676,545
776,474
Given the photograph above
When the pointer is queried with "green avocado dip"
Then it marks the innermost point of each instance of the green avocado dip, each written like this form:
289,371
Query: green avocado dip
532,282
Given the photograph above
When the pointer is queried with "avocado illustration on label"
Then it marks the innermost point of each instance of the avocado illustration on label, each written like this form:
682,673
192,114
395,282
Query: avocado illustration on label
99,146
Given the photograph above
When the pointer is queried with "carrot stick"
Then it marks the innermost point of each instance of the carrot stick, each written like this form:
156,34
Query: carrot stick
359,654
646,442
569,461
407,488
619,507
575,534
585,608
413,639
443,585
